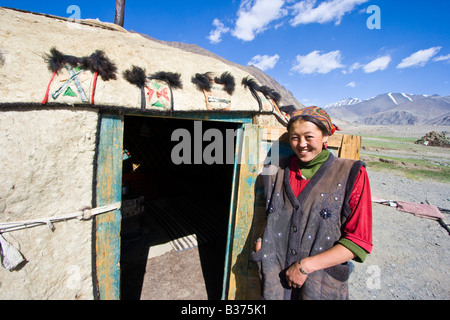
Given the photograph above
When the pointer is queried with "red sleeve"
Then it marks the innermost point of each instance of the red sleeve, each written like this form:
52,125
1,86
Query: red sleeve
358,227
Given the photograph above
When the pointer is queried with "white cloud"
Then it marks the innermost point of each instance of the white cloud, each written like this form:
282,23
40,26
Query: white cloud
254,16
442,58
215,36
355,66
315,62
378,64
419,58
264,62
332,10
351,84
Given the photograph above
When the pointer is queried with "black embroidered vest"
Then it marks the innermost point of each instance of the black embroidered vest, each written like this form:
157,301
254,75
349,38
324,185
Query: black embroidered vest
306,226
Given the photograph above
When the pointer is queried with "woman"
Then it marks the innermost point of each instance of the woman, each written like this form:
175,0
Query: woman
319,216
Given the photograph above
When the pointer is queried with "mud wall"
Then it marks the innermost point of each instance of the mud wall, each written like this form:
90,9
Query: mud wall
46,162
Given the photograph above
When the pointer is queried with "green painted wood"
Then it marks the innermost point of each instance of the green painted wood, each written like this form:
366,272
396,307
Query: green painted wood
231,219
241,117
243,215
109,190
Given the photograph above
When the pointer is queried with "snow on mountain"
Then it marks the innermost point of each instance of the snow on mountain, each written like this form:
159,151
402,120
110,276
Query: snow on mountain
393,108
345,102
407,97
392,98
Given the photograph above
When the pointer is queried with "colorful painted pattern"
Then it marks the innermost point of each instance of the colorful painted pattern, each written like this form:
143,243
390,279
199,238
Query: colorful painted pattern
217,98
158,95
73,83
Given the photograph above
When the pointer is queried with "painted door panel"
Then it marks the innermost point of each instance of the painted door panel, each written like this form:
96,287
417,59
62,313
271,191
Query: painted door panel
241,216
109,190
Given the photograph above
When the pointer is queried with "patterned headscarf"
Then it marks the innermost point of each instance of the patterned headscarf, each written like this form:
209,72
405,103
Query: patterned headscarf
317,113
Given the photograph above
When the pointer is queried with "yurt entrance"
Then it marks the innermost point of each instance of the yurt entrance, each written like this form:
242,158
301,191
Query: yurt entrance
175,208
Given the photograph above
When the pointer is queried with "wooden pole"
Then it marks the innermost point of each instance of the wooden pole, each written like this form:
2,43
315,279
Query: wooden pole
120,12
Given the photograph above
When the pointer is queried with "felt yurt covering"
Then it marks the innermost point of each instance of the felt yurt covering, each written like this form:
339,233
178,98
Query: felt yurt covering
27,38
49,134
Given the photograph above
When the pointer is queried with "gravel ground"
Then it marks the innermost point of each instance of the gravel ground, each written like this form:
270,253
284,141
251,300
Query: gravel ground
410,257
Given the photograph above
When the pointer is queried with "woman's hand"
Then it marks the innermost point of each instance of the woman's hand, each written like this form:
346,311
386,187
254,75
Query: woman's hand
336,255
258,245
294,277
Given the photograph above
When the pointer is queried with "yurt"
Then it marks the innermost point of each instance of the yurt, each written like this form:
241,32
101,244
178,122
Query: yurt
114,147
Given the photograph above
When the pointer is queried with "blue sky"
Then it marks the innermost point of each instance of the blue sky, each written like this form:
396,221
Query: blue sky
321,50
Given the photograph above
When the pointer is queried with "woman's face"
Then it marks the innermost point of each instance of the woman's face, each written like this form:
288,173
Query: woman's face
306,140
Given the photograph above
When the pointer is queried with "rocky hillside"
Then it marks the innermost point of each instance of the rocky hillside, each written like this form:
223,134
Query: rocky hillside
394,109
286,96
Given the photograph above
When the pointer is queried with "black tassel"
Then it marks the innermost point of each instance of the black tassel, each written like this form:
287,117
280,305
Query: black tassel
173,79
203,81
56,60
137,77
253,86
228,80
71,60
99,62
270,93
288,109
250,83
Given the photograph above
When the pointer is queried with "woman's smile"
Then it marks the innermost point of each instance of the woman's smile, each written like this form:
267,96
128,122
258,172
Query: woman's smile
306,140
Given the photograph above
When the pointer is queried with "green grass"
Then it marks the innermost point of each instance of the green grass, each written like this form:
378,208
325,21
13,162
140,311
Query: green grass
391,143
411,164
397,139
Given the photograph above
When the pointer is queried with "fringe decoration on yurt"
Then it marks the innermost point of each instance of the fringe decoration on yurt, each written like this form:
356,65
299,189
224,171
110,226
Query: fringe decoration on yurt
203,81
228,81
99,64
268,99
217,91
173,81
56,60
288,109
275,97
253,86
76,70
137,77
270,93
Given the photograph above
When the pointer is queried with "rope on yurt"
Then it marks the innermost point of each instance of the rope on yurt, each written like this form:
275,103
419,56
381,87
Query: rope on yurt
84,214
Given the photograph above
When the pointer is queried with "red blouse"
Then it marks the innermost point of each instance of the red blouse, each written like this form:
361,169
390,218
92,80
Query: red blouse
358,227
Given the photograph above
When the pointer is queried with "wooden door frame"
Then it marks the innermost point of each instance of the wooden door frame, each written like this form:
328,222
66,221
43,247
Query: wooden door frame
108,190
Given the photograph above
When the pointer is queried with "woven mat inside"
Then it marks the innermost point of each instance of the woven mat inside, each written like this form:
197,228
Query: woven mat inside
188,222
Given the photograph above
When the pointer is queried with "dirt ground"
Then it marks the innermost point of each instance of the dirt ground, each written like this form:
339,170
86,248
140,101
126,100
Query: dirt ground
154,268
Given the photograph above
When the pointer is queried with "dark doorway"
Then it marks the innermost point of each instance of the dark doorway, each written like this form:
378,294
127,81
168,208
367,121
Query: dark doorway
186,206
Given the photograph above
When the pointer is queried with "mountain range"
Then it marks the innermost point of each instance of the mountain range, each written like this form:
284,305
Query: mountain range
394,109
384,109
